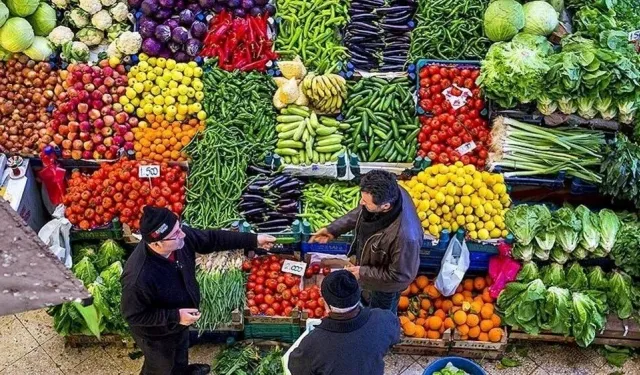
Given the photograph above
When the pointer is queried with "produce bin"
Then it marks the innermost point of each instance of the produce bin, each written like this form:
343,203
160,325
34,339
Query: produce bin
416,346
464,364
479,349
111,231
522,112
403,170
468,64
276,332
286,242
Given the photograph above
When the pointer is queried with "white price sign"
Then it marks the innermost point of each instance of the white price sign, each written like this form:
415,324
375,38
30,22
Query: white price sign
296,268
466,148
634,35
149,171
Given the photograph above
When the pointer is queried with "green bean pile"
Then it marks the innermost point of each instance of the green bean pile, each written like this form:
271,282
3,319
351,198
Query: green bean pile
449,30
381,115
308,28
322,204
221,293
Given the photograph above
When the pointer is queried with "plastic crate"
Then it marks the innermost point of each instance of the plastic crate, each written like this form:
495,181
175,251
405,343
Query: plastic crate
579,187
286,242
111,231
551,182
431,261
340,246
469,64
277,332
523,112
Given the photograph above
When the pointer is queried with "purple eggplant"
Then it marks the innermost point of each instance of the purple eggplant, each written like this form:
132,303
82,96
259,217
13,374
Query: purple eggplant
147,27
179,35
180,4
151,47
186,17
162,33
192,47
198,30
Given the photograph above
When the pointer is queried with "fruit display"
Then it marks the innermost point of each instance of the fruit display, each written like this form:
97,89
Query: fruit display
425,313
157,139
460,196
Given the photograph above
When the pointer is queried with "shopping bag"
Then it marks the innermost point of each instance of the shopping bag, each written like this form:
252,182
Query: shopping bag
502,269
454,265
55,234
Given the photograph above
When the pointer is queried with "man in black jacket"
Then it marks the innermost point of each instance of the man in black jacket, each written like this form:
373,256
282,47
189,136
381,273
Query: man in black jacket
160,294
352,340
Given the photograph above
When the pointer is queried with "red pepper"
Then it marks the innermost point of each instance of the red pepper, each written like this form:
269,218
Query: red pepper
258,65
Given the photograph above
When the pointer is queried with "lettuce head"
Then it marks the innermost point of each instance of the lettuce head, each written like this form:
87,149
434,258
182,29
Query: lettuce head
553,275
85,271
568,229
590,237
609,227
558,311
528,272
597,279
108,253
576,278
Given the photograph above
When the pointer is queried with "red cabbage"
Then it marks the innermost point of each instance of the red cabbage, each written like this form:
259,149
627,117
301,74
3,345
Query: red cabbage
255,11
151,47
234,3
162,33
186,17
166,3
261,2
147,27
181,57
194,7
207,4
179,35
198,29
193,47
164,14
135,3
174,47
270,9
247,4
218,8
239,12
164,52
149,7
172,23
180,4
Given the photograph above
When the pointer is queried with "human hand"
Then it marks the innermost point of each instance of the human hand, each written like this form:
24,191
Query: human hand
188,316
266,241
322,236
355,270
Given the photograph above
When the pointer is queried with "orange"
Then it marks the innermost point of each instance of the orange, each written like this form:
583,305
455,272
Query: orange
460,317
474,332
432,291
478,298
495,335
440,314
468,285
406,291
465,337
479,283
420,332
422,314
403,303
442,329
421,321
473,320
433,335
467,295
448,323
414,289
409,329
422,281
459,289
457,299
411,316
489,280
463,330
486,296
403,320
437,303
486,311
496,320
486,325
476,307
454,309
425,304
435,323
483,336
447,305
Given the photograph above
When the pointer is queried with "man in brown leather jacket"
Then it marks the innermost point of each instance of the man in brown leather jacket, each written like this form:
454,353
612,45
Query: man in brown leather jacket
387,239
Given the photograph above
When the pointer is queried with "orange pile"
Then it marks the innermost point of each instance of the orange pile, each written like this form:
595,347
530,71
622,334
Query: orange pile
424,313
160,140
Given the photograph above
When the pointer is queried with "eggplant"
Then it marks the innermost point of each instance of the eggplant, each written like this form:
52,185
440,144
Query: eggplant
364,17
280,180
279,229
274,223
358,25
253,198
293,184
245,206
255,211
285,201
404,28
258,170
291,194
288,207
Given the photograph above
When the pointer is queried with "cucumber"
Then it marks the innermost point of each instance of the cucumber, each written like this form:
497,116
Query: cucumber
287,143
324,130
298,111
329,149
289,118
313,119
283,128
288,135
286,151
328,121
329,141
298,132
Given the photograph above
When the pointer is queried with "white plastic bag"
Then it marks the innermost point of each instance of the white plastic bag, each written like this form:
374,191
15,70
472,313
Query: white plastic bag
55,234
454,265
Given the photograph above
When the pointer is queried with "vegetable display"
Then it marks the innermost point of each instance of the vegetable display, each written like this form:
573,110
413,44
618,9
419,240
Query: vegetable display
458,196
425,313
381,118
378,34
308,29
623,253
449,30
116,190
324,203
26,91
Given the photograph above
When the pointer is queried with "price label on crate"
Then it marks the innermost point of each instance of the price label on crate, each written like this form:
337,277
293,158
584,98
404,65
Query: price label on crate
296,268
634,36
149,171
466,148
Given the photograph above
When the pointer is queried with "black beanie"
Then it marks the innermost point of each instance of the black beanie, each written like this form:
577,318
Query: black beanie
156,223
340,289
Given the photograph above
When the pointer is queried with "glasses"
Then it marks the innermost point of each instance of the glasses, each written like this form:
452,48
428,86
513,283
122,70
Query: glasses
176,236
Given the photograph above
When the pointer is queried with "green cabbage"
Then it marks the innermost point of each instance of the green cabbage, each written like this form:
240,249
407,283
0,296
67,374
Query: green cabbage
4,13
529,272
40,49
609,227
557,311
4,54
85,271
539,18
590,228
503,19
576,278
16,35
553,275
620,295
587,320
43,20
568,230
22,8
108,253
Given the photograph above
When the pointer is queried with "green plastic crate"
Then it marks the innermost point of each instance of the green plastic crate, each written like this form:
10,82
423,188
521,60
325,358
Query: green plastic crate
276,332
112,231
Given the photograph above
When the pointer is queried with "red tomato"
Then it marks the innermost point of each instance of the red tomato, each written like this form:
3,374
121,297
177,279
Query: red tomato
263,307
304,296
286,295
287,311
308,273
280,279
246,266
270,312
277,307
313,294
311,304
251,302
274,266
271,284
295,291
309,313
319,312
251,285
269,299
259,288
278,297
259,298
260,279
300,304
254,310
289,281
273,275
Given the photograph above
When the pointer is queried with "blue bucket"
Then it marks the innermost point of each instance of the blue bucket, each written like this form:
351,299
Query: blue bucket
464,364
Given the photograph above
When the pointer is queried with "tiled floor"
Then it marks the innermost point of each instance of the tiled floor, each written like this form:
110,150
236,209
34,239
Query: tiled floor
28,345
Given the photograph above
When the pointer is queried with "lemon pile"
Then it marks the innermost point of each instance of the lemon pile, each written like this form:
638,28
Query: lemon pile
459,196
162,86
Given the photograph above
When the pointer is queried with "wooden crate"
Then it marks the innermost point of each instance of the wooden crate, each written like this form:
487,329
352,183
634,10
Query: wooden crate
295,318
478,349
82,341
416,346
236,324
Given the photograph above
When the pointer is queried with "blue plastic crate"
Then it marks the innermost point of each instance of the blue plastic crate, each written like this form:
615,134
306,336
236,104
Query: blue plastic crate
431,261
579,187
473,64
551,182
340,246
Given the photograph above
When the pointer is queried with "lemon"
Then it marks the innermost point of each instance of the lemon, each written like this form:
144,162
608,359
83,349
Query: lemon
423,206
180,117
433,230
447,216
469,218
468,210
451,189
433,219
422,215
467,190
473,235
454,227
460,173
459,164
459,209
483,234
419,188
504,233
426,196
440,198
456,199
465,200
461,220
495,233
490,225
480,225
459,181
475,201
490,196
469,169
446,225
432,170
482,191
499,189
433,204
479,211
449,201
425,223
442,180
443,169
470,226
453,169
439,211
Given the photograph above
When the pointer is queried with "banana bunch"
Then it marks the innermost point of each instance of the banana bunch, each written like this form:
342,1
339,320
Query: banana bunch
326,92
306,138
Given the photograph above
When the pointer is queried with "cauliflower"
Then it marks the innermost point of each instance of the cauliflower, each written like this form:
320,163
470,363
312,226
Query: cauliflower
90,36
102,20
60,35
61,4
75,52
78,18
108,3
115,30
91,6
113,51
129,42
120,12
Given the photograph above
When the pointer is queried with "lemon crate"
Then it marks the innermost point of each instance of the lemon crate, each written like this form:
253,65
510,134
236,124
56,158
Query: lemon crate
419,346
277,328
479,349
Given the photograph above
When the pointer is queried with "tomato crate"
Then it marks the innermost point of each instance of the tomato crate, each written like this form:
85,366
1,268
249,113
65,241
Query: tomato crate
111,231
420,346
295,318
83,341
479,349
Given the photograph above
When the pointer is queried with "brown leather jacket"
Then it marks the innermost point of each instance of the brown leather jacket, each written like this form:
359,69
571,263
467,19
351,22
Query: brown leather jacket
391,257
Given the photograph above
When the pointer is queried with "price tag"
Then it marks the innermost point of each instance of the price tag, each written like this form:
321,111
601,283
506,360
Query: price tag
149,171
634,35
466,148
457,96
296,268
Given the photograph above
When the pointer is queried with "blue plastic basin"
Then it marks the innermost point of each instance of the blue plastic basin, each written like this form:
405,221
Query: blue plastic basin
462,363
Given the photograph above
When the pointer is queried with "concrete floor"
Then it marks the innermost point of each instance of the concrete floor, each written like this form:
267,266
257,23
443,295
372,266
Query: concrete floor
29,345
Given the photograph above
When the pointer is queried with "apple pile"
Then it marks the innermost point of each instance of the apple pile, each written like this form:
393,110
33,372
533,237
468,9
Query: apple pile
89,122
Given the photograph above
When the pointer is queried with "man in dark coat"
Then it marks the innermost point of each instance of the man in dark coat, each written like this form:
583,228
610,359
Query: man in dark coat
160,294
352,340
387,239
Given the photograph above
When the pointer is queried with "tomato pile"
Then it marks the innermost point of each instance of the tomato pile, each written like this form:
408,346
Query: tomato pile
448,127
272,292
115,190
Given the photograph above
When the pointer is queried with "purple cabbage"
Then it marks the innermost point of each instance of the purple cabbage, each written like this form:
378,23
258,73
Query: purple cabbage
186,17
270,9
172,23
199,29
174,47
234,3
166,3
218,8
239,12
261,2
180,4
164,52
147,27
134,3
181,56
193,47
149,7
179,35
151,47
162,33
255,11
207,4
247,4
164,14
194,7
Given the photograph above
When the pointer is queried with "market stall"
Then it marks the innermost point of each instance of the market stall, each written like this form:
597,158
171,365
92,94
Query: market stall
512,125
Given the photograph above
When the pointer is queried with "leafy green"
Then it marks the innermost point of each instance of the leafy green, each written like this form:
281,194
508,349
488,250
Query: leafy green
85,271
503,19
625,251
524,309
576,278
558,255
540,253
616,356
108,253
620,295
609,225
568,230
597,279
620,170
586,319
522,252
528,272
525,221
590,228
539,18
553,275
557,309
600,299
112,294
271,364
546,236
85,251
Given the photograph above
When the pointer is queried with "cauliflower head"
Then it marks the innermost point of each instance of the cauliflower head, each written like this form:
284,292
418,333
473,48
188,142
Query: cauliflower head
90,36
60,35
113,51
91,6
102,20
120,12
60,4
129,42
115,30
108,3
75,52
78,18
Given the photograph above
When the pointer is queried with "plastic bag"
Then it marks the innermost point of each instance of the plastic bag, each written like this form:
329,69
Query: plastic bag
55,234
454,265
502,269
52,177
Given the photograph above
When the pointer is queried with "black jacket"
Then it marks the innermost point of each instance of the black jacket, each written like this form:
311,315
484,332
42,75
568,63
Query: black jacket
154,288
347,347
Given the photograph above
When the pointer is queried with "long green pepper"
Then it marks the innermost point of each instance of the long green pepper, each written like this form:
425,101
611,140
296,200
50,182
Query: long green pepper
322,204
